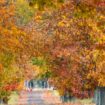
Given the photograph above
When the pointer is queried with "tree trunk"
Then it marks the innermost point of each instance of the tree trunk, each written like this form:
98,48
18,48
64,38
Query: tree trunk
100,96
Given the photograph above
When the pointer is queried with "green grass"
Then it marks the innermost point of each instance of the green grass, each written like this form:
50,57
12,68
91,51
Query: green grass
87,101
13,99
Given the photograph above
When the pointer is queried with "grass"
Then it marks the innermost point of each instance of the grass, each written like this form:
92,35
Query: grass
13,99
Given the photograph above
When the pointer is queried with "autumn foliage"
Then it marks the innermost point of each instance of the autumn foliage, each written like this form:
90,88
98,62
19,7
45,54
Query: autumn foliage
74,46
13,42
66,45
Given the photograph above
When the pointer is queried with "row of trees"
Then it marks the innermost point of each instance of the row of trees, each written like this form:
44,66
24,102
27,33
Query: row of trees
65,45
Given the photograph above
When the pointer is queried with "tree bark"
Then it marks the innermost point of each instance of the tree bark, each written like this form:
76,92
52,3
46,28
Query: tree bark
100,96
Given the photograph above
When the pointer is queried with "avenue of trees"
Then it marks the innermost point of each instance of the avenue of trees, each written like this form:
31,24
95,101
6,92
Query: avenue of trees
61,40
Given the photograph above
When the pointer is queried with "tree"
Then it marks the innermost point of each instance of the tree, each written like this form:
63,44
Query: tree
77,39
13,45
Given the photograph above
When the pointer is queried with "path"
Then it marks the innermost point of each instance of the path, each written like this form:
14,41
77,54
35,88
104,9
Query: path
38,97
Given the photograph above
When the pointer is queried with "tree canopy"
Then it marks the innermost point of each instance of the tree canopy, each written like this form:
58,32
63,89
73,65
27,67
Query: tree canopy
65,44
